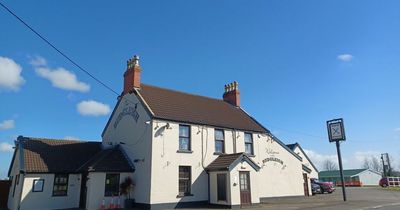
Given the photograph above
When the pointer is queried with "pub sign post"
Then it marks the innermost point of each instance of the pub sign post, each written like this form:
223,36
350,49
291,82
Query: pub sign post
336,134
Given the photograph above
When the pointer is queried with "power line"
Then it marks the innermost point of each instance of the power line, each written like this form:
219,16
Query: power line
58,50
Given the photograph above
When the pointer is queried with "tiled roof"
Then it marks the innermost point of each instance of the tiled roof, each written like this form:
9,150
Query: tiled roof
224,161
183,107
336,173
109,160
58,156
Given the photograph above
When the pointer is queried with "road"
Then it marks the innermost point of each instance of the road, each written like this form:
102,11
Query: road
357,199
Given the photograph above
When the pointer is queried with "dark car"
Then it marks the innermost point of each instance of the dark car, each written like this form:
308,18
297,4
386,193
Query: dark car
315,189
325,186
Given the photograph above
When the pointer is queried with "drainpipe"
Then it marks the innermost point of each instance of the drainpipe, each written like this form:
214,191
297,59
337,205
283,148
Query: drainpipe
234,140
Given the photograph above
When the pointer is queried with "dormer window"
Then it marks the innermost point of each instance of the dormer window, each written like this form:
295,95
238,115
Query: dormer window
219,141
248,143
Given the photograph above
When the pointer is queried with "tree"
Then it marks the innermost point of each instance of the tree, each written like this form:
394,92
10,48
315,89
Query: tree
366,164
375,164
329,165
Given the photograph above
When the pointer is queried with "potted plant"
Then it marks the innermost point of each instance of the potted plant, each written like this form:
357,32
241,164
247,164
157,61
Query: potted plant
126,188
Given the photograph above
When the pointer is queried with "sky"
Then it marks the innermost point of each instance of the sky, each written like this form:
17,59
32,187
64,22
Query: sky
298,64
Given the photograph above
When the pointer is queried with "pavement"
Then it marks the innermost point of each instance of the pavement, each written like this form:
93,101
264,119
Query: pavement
361,198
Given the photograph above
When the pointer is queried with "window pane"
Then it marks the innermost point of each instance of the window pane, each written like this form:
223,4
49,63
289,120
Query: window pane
183,143
112,185
219,134
248,137
60,187
219,146
184,180
183,130
249,148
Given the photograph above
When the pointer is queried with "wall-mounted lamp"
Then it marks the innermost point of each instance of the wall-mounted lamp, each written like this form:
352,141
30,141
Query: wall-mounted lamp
155,128
168,126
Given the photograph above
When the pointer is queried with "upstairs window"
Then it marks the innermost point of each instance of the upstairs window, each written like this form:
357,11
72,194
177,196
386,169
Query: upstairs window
60,187
112,185
219,141
184,138
184,180
248,143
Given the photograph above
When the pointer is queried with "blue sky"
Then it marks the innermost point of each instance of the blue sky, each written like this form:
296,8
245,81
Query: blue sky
298,64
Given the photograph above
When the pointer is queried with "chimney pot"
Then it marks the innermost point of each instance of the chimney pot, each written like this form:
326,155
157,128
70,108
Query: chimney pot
132,74
232,94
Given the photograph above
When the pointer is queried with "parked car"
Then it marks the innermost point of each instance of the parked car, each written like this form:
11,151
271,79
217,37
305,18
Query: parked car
315,189
325,186
393,181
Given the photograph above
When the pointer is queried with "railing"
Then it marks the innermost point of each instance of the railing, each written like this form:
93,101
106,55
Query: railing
350,183
393,181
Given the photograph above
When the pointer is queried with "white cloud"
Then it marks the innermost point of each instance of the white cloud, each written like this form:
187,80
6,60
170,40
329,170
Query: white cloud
397,129
38,61
7,124
10,74
345,57
93,108
62,78
71,138
360,156
6,147
318,159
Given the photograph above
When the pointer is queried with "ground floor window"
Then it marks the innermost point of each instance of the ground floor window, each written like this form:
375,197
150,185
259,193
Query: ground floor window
60,187
112,185
221,187
184,180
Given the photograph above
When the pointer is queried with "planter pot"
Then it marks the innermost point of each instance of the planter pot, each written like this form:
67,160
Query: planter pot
129,203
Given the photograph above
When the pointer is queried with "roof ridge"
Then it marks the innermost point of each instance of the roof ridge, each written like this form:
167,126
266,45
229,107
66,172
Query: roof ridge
52,139
186,93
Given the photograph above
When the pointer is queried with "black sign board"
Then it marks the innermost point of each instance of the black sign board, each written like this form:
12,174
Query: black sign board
336,130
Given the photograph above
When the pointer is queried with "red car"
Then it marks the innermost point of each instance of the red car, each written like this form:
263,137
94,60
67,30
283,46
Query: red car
325,186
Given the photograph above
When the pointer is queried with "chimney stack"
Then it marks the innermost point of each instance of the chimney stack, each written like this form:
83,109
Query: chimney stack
132,75
232,94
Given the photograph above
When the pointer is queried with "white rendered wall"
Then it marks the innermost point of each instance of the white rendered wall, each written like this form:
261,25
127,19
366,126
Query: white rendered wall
272,180
45,200
369,178
314,173
214,191
276,179
96,190
137,139
13,201
235,185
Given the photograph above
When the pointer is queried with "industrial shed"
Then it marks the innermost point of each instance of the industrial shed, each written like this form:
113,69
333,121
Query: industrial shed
352,177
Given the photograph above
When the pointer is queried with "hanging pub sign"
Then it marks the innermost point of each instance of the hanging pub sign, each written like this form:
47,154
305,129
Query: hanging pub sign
336,130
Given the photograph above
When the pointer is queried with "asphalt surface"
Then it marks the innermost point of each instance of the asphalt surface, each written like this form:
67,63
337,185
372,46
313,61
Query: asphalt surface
357,199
